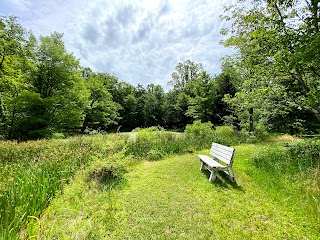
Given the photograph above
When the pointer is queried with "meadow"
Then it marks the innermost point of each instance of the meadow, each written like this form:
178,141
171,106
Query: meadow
147,185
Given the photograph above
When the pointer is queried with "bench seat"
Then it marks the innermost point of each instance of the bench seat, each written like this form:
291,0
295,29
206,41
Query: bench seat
210,162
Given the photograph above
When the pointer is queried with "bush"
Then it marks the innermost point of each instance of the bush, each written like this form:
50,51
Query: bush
109,175
58,135
154,143
199,130
224,131
154,155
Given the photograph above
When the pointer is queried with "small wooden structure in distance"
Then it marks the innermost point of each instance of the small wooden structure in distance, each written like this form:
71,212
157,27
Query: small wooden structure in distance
222,161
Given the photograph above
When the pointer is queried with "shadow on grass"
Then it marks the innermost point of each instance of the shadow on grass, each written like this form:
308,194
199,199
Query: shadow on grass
223,180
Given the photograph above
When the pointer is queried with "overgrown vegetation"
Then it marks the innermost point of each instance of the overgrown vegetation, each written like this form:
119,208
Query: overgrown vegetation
31,173
172,199
291,169
154,143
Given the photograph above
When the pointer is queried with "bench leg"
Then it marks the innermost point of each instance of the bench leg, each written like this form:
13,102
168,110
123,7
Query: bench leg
231,175
202,166
212,177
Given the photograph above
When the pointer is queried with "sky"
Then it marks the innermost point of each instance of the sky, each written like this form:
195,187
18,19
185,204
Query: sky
139,41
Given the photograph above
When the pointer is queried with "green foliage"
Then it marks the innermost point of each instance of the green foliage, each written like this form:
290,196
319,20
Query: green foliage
31,173
280,79
224,130
102,112
16,47
199,130
65,94
154,105
109,175
154,155
154,143
200,134
44,90
58,135
201,97
184,73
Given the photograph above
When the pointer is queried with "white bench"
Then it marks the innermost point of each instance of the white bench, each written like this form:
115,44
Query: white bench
222,161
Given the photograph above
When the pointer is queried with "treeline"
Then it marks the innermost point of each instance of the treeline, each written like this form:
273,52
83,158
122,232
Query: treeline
45,91
270,84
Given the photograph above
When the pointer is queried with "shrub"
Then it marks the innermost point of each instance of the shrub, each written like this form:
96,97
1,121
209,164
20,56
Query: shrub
154,155
58,135
109,175
154,143
199,130
224,131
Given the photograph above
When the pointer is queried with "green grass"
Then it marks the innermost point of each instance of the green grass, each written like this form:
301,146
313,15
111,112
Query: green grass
102,187
172,199
32,172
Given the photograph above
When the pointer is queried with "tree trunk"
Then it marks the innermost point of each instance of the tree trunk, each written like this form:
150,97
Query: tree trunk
12,123
251,120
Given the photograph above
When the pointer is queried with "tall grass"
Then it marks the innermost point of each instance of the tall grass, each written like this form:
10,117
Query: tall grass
32,172
155,143
291,172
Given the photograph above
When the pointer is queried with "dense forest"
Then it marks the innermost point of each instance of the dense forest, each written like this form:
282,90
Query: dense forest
270,84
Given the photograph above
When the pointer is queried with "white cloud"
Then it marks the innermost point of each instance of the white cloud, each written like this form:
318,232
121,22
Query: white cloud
139,41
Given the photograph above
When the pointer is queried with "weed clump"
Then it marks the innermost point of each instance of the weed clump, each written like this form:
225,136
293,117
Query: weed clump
110,173
154,155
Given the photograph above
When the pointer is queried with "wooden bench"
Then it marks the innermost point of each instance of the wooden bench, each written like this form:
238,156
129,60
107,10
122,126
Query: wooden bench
222,161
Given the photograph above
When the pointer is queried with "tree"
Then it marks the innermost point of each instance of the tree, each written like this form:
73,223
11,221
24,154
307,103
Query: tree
183,76
140,96
278,46
101,112
16,54
184,73
201,97
154,105
125,95
57,79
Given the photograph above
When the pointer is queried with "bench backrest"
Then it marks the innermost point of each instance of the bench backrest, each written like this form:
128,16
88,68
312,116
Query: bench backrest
222,153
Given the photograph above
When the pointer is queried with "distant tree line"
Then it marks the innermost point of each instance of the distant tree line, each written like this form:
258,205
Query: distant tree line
271,83
44,90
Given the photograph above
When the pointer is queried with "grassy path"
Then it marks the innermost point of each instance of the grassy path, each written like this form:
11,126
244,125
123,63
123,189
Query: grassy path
172,199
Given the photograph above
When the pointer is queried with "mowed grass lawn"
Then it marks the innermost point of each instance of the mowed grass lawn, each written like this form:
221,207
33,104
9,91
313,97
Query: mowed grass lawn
172,199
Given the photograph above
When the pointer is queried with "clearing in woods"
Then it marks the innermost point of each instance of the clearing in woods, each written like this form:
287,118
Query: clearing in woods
172,199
